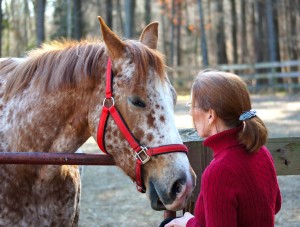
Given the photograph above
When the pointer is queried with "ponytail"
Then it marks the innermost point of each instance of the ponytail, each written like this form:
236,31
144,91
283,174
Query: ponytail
254,134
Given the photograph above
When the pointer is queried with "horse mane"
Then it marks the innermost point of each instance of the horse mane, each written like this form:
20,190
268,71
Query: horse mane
55,65
63,64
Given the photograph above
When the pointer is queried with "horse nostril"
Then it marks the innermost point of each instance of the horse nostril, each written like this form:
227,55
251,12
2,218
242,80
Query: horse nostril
177,187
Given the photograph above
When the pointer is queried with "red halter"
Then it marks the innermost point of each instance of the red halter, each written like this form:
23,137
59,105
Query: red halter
142,154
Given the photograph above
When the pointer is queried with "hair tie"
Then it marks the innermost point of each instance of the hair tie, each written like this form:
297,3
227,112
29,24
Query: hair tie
248,115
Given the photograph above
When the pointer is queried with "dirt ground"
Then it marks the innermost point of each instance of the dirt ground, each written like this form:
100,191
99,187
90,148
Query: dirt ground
110,199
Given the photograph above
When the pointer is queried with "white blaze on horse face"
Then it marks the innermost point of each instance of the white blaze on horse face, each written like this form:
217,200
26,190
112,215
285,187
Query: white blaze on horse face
174,168
166,112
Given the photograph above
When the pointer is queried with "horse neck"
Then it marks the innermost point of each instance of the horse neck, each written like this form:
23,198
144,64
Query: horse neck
52,122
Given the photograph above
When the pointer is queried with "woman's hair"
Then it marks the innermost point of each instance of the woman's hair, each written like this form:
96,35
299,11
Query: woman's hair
227,95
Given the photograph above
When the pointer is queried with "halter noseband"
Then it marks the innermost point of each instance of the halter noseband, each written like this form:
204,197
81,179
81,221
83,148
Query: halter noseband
142,154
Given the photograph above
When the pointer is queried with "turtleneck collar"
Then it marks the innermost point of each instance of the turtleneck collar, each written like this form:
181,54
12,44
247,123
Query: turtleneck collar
223,140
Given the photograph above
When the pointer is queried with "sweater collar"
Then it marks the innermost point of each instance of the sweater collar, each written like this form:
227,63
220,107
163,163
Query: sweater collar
223,140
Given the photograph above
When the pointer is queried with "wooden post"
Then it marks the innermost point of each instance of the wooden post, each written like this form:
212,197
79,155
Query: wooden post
199,157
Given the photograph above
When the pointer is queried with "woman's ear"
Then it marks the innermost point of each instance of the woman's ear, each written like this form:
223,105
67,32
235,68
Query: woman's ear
212,116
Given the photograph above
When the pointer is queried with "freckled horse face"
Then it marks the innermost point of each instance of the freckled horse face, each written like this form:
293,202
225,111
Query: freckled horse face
146,100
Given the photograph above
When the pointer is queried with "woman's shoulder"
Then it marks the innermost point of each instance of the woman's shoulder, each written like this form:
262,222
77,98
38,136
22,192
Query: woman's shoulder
231,161
219,167
219,174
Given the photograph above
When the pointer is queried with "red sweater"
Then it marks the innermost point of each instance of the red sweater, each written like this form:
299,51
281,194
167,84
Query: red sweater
237,188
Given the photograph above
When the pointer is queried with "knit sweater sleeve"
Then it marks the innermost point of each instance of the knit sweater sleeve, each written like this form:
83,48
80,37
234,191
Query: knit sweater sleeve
278,200
199,219
219,198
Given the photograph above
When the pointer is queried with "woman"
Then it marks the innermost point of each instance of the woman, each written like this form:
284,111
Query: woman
239,187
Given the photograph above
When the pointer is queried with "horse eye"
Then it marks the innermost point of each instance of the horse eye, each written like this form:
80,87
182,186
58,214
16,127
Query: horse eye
136,101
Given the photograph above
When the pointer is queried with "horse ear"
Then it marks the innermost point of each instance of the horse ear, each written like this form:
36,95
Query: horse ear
149,35
114,44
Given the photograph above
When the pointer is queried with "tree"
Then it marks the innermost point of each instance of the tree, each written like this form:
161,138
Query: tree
164,29
172,34
271,31
203,35
243,32
40,6
178,26
147,17
129,18
119,12
220,35
77,18
1,28
109,17
234,31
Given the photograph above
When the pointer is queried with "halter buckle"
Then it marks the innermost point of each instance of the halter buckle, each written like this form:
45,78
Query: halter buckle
142,155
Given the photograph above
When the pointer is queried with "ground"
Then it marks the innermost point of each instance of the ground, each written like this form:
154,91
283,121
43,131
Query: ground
110,199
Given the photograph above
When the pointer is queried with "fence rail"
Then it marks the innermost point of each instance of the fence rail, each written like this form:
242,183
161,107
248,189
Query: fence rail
284,75
43,158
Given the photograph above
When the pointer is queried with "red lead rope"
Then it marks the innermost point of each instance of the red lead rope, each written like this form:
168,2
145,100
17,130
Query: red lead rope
142,154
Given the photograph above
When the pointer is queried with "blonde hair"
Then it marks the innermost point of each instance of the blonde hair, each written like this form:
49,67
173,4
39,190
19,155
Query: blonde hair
228,96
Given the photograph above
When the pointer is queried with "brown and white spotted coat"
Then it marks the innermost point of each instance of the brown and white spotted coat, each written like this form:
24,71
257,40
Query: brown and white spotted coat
51,102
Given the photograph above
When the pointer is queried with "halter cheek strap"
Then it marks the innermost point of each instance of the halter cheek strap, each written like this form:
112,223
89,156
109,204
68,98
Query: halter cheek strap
142,154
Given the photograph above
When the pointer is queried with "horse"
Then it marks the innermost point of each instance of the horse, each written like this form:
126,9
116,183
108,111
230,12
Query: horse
55,98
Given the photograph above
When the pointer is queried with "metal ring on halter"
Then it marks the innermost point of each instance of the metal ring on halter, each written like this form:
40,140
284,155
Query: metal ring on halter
142,155
113,101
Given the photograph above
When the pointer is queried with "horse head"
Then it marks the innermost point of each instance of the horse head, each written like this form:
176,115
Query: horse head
145,100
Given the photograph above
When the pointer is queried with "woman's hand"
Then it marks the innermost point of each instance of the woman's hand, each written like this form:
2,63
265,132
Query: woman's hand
180,222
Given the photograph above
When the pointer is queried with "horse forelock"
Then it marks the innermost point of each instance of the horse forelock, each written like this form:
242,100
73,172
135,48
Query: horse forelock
57,64
145,59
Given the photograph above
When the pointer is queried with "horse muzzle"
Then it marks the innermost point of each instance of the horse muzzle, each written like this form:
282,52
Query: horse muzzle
172,195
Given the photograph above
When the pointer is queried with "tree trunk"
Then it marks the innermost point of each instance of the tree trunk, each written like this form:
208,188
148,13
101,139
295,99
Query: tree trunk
271,33
119,12
203,35
147,12
129,18
261,46
178,43
109,10
164,29
234,32
26,22
77,19
243,41
40,21
292,39
69,19
220,39
8,16
1,28
172,35
16,29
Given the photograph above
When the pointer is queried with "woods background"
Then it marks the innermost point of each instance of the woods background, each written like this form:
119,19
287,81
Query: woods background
193,34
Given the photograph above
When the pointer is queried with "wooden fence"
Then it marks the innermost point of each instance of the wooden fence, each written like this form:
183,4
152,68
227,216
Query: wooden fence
285,152
260,77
